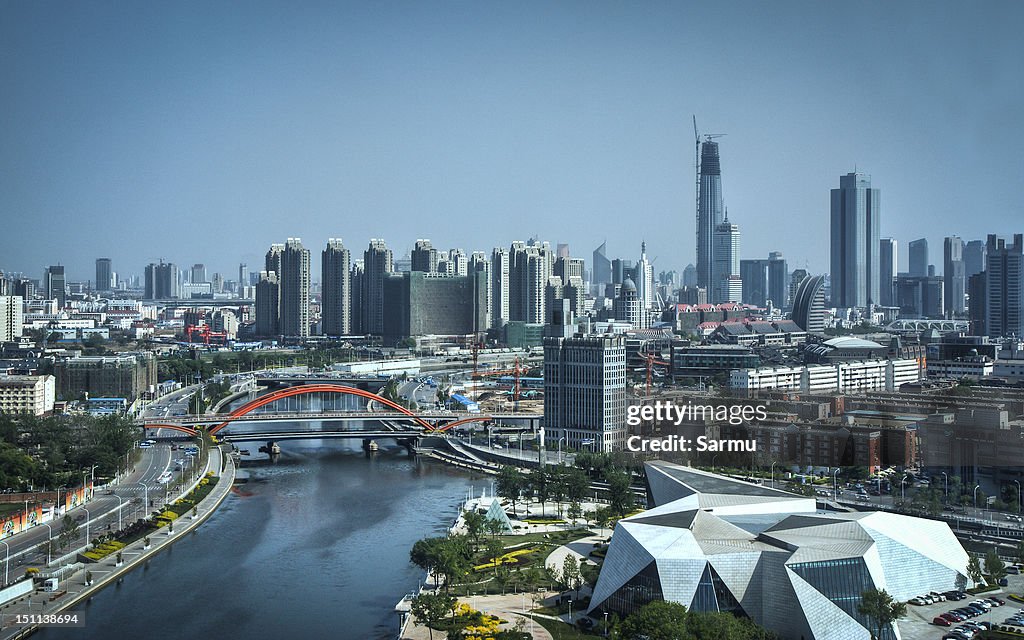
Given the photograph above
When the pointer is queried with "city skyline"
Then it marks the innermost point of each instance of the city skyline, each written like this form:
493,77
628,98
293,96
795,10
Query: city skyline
566,124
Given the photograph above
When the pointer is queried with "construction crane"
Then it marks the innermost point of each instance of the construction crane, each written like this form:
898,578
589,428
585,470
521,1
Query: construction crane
205,333
651,359
516,371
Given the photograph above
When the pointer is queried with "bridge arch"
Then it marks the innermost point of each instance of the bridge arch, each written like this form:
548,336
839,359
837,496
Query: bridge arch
177,427
463,421
316,388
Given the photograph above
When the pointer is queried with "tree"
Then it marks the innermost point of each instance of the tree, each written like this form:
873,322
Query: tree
557,486
68,532
571,576
431,608
620,493
539,485
659,620
475,524
495,548
577,484
494,527
425,553
879,607
974,571
994,566
510,483
575,512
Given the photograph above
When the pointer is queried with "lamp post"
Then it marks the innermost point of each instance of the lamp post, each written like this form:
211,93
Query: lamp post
560,449
773,474
945,486
606,624
570,610
88,517
1017,482
7,561
49,540
835,485
120,503
903,488
976,495
145,487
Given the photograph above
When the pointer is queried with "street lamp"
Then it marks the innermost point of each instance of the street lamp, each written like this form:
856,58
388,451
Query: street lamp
976,495
7,561
145,488
570,610
88,517
773,473
1017,482
903,488
945,485
120,502
49,541
560,449
606,624
835,485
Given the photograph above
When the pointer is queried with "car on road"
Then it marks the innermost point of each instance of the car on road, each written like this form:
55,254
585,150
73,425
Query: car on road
165,477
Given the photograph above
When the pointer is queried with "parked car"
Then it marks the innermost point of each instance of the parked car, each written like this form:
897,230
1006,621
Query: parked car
942,622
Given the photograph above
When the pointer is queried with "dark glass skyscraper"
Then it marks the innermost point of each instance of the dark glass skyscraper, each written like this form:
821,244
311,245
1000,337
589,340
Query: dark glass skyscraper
710,210
856,221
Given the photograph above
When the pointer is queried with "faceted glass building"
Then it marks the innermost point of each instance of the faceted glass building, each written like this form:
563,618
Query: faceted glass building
713,543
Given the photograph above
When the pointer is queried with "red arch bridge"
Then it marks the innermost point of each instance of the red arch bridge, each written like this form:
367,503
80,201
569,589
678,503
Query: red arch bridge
397,420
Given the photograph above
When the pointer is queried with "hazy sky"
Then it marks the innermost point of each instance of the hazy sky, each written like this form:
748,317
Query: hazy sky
204,131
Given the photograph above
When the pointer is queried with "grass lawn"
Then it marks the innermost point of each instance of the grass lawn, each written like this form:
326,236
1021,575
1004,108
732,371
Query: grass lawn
553,537
562,631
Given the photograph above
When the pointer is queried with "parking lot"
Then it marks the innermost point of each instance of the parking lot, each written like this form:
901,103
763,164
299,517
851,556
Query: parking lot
917,625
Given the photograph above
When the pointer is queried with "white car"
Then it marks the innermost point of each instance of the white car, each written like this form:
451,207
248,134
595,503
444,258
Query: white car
165,477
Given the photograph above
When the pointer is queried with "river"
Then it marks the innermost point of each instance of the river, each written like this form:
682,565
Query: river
316,545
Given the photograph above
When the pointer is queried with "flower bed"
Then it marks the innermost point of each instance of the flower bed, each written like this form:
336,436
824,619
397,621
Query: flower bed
103,550
507,558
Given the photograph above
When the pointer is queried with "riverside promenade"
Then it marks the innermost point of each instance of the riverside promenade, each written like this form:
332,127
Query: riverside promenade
72,589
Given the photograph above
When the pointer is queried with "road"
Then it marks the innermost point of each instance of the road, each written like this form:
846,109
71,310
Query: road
99,515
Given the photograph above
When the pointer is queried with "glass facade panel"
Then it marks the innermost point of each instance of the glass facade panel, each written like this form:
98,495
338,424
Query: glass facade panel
843,582
643,588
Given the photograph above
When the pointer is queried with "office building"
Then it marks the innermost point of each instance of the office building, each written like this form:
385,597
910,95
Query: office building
778,280
433,304
26,394
726,284
244,280
268,297
917,253
602,267
566,268
954,276
643,278
690,276
627,307
424,257
55,285
855,224
710,213
754,275
839,377
920,297
377,265
974,257
887,270
809,303
12,318
1004,287
163,281
585,391
198,274
336,294
718,544
499,287
104,275
977,290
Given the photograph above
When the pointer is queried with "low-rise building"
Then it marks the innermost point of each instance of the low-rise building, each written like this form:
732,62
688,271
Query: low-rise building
841,377
27,394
